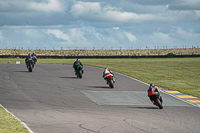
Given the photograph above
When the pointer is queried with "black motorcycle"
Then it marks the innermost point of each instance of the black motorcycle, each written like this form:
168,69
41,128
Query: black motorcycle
158,100
79,71
30,65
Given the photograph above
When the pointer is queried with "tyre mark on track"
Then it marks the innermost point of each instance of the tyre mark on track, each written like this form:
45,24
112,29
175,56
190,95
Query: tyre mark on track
125,120
81,126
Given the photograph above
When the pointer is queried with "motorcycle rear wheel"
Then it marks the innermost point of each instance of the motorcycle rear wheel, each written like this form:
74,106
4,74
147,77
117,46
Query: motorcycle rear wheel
110,83
79,74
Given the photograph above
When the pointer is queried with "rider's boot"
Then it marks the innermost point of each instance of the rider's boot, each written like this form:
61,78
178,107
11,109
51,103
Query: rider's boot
113,79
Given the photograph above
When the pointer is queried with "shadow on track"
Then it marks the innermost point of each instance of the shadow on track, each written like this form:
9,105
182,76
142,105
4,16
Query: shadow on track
145,107
106,87
22,71
69,77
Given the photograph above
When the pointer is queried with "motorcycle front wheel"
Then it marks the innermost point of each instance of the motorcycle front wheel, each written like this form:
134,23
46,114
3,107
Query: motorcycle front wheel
159,103
30,68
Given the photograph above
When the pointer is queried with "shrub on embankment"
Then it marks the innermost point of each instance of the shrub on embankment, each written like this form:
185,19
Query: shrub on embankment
129,52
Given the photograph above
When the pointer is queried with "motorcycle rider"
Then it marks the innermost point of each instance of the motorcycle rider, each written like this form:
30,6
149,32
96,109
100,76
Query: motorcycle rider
27,58
76,64
34,57
152,89
108,71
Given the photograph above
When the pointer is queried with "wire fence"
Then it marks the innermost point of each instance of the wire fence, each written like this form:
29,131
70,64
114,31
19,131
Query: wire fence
101,48
148,51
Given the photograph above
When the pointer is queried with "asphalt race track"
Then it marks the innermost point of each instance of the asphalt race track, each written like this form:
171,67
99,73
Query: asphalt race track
52,100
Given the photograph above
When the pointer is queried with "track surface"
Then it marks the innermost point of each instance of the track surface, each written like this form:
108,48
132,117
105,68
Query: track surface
51,100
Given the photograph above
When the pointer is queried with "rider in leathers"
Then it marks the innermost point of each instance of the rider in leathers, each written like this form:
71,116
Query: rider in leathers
108,71
34,57
76,64
27,58
152,89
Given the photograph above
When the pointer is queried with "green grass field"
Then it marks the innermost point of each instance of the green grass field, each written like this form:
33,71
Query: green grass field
182,74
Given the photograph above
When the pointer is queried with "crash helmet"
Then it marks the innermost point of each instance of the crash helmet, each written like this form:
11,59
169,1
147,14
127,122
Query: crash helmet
29,55
77,59
151,85
33,54
107,69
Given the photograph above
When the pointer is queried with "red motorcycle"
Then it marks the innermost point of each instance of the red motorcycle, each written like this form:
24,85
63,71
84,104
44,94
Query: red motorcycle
110,79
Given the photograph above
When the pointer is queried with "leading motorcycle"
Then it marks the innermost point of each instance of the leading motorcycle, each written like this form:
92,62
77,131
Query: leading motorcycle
79,71
30,64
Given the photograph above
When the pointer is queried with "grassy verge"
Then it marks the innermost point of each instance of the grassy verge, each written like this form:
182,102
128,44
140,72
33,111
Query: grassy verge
8,124
182,74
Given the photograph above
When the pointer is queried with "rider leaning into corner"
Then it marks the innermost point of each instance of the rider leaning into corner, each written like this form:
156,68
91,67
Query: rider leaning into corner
76,64
108,71
152,89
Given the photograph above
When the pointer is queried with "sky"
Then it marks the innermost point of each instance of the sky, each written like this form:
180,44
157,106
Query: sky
99,24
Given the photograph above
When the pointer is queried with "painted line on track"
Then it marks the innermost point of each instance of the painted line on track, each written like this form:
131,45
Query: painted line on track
191,99
24,124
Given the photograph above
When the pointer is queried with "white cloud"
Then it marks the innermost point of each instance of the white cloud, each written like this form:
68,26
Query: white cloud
122,16
13,27
51,6
1,36
59,34
159,35
77,34
116,28
81,8
130,36
186,5
190,34
161,39
93,10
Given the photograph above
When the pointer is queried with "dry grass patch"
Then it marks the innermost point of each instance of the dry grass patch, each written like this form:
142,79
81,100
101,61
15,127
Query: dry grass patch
132,52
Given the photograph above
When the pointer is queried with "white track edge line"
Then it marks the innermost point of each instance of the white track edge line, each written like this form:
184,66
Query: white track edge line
24,124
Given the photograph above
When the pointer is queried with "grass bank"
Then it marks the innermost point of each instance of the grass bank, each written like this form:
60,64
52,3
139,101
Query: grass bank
9,124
